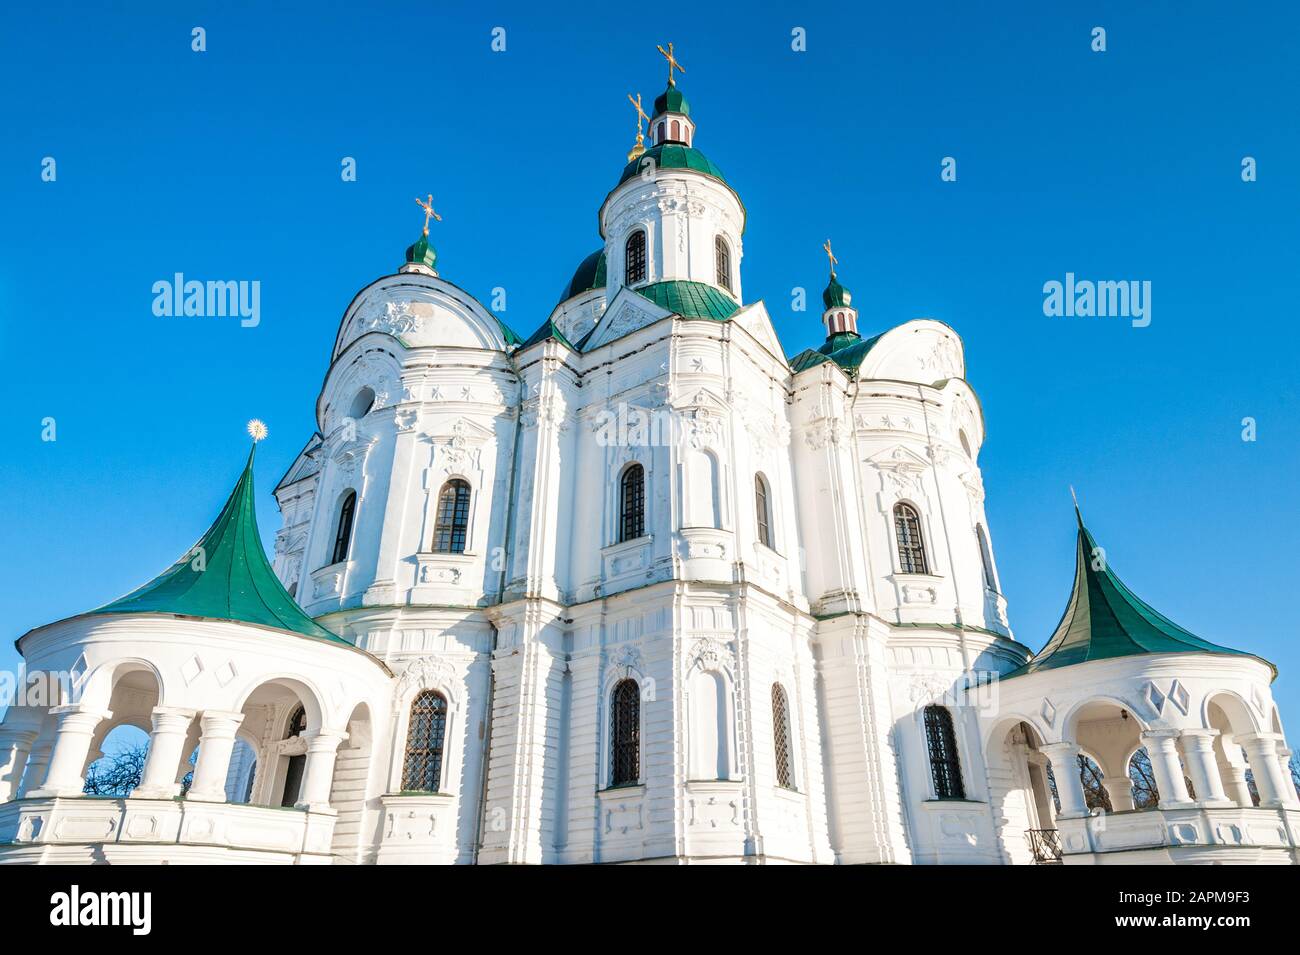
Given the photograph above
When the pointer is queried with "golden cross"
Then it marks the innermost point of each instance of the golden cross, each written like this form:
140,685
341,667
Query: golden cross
640,114
427,206
830,255
672,63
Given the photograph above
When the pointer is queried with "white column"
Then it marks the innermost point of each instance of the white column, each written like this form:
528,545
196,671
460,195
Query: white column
215,746
1261,750
1290,798
38,761
166,742
1065,770
1162,748
1120,790
15,745
1234,781
318,774
1203,765
72,736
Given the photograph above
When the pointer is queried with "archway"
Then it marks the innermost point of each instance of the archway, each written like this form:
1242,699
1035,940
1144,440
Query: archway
1228,714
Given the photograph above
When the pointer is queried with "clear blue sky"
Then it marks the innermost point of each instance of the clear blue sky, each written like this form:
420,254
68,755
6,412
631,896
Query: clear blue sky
225,165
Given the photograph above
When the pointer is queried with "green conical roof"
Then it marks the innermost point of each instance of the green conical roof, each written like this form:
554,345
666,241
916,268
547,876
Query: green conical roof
1104,619
225,576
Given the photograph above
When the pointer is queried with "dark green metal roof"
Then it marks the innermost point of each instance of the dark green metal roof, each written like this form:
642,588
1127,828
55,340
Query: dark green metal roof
671,100
232,581
846,349
673,156
691,299
548,330
1104,620
590,274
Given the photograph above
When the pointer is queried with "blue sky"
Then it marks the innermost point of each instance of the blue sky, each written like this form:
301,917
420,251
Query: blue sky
225,165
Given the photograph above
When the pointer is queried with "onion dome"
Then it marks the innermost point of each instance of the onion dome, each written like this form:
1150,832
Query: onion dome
226,575
836,295
590,274
672,100
421,257
1104,619
671,122
840,317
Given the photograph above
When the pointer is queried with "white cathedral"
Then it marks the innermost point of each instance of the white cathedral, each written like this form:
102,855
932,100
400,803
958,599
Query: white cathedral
635,588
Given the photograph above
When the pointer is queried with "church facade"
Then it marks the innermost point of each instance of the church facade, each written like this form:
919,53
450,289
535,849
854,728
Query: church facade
637,588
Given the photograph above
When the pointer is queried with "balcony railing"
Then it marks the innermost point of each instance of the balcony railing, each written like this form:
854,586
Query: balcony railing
1045,844
65,829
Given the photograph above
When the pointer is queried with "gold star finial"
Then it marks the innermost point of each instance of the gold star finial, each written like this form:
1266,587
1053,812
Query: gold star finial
257,429
641,118
427,206
831,256
673,63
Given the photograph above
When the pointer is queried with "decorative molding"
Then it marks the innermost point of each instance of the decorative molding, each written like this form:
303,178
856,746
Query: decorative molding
426,673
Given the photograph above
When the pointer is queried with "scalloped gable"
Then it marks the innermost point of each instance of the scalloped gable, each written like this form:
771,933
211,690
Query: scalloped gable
921,350
421,311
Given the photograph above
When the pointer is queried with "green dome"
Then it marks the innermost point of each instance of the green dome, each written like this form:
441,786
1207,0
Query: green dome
590,274
673,156
836,295
422,253
671,100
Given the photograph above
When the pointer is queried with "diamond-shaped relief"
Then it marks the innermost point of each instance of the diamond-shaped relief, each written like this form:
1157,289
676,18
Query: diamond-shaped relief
1154,697
1049,711
226,672
191,669
78,671
1179,696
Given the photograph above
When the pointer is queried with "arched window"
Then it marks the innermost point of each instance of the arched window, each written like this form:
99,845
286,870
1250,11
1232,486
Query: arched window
631,515
297,724
986,558
763,509
942,742
911,551
297,764
677,131
634,258
781,737
625,734
422,768
452,523
722,259
343,536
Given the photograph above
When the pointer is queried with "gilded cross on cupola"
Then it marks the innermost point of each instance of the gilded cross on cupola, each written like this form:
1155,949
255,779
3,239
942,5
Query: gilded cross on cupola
427,206
830,256
641,119
673,63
